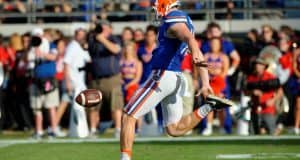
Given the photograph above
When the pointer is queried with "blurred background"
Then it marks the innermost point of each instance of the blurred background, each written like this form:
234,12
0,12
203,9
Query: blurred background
51,50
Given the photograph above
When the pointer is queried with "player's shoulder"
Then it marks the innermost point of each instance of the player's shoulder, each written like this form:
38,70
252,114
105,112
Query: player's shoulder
176,15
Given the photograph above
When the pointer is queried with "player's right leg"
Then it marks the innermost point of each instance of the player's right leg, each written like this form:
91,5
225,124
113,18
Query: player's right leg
144,100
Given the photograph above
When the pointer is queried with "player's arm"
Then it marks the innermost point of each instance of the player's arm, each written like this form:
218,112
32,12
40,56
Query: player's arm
181,31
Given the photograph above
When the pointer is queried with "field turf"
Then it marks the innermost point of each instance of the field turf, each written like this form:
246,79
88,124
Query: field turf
199,150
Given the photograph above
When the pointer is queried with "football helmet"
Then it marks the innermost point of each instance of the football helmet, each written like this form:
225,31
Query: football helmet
163,6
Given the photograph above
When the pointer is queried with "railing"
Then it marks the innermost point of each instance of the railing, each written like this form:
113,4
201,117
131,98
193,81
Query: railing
83,10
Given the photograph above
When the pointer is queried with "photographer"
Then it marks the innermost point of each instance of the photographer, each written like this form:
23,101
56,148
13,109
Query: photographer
104,49
263,100
43,90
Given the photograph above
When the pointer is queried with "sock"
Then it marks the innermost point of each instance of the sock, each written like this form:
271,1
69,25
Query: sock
93,130
118,129
209,125
125,155
202,111
117,132
40,132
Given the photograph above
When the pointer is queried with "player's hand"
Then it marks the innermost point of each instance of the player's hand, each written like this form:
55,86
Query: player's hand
205,91
196,58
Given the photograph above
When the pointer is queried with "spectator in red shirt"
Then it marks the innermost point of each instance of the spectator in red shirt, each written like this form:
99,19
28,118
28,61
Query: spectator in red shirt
286,60
7,56
263,108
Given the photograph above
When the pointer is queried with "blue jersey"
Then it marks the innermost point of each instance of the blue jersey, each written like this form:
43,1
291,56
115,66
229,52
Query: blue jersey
170,51
227,47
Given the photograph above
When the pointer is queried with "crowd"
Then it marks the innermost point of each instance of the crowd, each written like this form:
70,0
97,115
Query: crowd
90,9
42,71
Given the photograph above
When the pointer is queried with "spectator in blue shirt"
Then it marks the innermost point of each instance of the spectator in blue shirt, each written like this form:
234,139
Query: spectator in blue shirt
214,30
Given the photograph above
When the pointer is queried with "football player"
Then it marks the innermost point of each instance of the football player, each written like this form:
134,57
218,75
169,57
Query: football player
166,84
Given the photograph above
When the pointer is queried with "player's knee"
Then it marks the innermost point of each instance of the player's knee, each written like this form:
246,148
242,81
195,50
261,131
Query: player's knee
127,119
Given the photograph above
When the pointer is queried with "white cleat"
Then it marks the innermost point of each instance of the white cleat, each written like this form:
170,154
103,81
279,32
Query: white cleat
297,131
207,131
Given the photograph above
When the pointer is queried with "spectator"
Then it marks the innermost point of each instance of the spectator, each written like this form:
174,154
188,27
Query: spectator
141,6
145,51
139,36
218,63
43,90
251,50
296,64
230,7
214,30
64,96
19,85
263,109
67,9
75,60
127,35
286,60
131,70
268,36
7,55
104,49
7,60
286,32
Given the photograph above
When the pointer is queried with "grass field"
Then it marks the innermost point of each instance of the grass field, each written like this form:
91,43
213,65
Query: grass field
169,150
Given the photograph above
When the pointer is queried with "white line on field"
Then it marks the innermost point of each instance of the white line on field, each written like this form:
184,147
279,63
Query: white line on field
259,156
3,145
154,139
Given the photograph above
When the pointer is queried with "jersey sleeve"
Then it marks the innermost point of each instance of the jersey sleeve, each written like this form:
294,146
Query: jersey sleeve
175,17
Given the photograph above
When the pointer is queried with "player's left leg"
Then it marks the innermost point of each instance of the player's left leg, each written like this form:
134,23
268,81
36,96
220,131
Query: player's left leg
156,88
177,125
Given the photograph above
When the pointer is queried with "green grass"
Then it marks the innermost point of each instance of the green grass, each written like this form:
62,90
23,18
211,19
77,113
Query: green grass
145,151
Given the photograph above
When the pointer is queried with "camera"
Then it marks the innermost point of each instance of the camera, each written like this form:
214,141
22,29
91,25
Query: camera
98,29
35,41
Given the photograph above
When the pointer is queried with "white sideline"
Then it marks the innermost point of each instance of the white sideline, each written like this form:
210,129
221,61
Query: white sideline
259,156
152,139
3,145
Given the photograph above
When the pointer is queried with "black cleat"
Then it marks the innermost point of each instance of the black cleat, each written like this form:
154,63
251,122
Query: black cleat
218,103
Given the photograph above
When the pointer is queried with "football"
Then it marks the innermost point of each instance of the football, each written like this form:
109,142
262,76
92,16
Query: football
89,98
